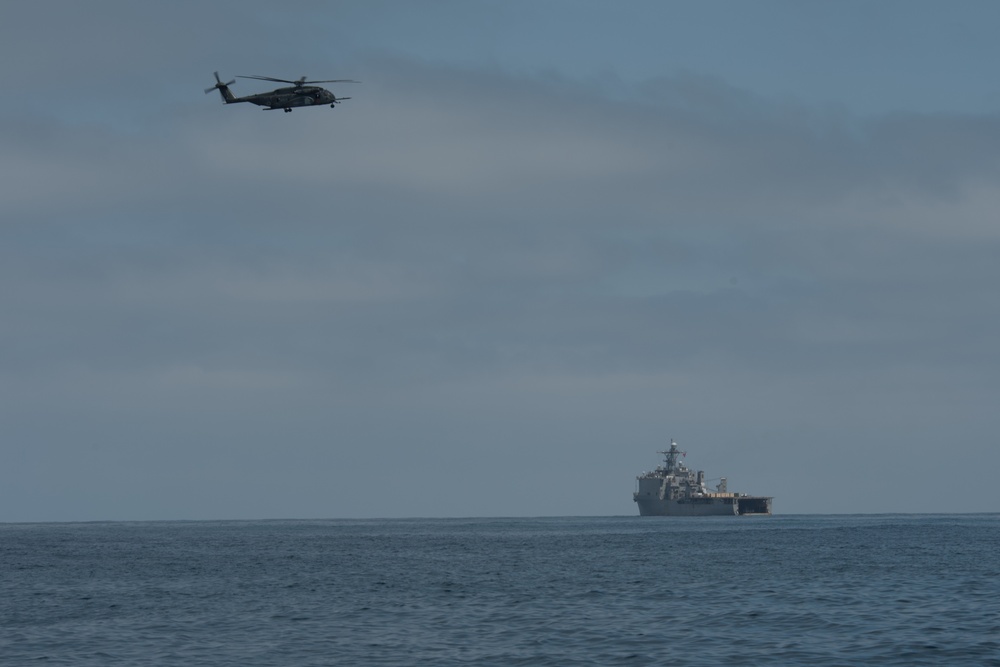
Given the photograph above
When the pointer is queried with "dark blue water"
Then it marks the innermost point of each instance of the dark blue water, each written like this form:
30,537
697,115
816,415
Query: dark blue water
817,590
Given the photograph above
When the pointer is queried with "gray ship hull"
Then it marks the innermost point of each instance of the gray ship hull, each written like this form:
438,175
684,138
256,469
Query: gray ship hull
656,507
653,506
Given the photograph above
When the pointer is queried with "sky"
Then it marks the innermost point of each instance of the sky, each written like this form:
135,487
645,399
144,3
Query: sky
541,240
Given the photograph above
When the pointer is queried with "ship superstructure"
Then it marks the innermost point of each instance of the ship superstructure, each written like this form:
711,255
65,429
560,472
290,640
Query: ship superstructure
675,490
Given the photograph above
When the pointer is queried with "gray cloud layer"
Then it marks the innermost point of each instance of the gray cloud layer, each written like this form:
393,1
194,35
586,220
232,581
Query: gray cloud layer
468,292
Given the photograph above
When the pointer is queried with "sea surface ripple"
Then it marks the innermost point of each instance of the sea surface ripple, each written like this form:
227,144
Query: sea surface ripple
783,590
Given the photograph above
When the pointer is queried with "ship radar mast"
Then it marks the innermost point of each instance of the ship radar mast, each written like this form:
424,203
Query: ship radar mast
670,457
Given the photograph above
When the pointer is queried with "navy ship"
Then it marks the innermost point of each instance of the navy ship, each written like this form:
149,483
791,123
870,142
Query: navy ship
674,490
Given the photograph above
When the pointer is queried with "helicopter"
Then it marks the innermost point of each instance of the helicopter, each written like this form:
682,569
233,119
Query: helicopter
300,94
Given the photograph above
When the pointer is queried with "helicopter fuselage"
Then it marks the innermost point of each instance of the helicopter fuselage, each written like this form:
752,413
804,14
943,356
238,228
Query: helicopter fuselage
289,98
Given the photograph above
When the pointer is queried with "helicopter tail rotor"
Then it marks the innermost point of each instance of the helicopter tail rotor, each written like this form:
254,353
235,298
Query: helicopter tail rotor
223,88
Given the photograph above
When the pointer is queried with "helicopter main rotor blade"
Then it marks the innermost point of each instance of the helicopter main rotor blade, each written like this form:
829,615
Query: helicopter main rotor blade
265,78
297,82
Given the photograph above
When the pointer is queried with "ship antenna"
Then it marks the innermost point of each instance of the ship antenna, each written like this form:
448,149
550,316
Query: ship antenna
671,456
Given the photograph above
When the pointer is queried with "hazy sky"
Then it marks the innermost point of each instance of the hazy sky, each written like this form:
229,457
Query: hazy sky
542,239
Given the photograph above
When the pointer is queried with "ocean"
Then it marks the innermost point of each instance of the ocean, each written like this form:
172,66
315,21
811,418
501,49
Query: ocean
781,590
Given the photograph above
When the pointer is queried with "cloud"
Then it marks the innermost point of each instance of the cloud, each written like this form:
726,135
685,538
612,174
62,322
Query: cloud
469,260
